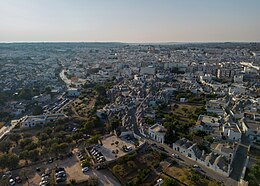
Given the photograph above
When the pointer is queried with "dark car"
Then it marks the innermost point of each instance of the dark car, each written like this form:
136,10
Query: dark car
18,179
59,169
161,148
60,179
50,160
61,175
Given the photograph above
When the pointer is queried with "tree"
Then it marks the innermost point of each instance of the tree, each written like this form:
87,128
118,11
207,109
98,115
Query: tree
5,116
34,154
25,142
38,110
170,182
115,123
43,136
15,137
85,163
9,161
5,146
256,170
200,133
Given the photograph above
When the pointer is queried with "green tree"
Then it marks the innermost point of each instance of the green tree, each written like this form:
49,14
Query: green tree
25,142
9,161
15,137
256,170
170,182
5,146
38,110
43,136
34,155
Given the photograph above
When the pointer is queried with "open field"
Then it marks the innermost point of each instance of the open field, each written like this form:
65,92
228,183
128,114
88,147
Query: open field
135,168
188,176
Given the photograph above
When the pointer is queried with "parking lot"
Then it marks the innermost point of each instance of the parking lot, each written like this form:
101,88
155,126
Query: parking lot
114,147
72,168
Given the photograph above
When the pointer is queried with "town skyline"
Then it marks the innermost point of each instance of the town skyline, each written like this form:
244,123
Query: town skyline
129,21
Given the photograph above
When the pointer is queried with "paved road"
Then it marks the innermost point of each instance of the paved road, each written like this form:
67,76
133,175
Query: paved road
105,177
131,114
238,162
6,129
205,170
240,158
186,161
64,78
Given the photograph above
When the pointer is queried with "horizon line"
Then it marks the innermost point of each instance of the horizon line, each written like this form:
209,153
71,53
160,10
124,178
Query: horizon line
123,42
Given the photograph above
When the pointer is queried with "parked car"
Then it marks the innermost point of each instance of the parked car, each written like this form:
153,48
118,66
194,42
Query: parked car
18,179
59,169
50,160
160,180
92,150
82,158
99,155
11,182
61,173
101,160
60,179
85,169
42,183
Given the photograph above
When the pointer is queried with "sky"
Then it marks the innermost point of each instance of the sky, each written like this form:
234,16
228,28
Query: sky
133,21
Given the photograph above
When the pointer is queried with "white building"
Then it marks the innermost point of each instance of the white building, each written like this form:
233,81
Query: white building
215,106
214,160
206,123
73,92
251,129
232,132
32,121
157,133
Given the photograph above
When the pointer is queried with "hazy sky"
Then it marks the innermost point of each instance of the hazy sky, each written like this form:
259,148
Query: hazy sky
130,20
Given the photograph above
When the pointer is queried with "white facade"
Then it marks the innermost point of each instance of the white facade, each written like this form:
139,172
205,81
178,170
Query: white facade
32,121
157,133
232,132
215,161
73,92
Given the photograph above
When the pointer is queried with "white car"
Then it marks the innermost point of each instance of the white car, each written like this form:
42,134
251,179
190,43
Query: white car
43,183
100,158
93,152
60,172
85,169
12,182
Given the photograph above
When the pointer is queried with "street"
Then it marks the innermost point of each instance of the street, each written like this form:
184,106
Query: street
189,162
